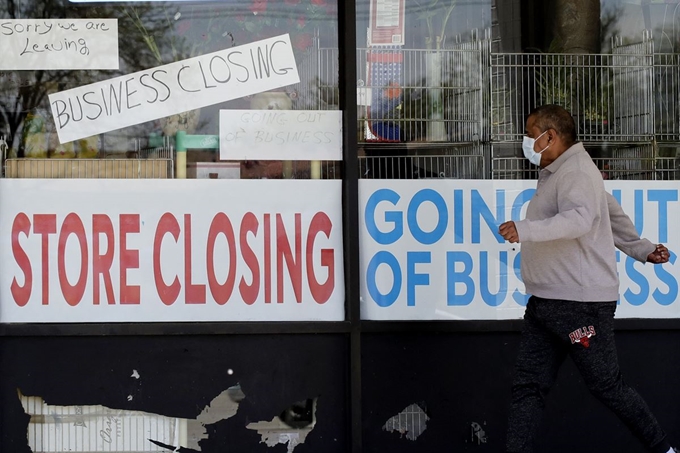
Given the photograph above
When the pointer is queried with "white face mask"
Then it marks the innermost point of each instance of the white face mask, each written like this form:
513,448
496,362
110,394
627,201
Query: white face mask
528,148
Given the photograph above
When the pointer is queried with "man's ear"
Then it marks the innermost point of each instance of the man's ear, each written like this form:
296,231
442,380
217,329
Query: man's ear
552,136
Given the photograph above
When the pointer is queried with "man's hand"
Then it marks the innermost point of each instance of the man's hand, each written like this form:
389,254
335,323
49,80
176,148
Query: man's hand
659,256
509,232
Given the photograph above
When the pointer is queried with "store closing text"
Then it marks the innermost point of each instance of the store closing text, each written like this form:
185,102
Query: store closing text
244,258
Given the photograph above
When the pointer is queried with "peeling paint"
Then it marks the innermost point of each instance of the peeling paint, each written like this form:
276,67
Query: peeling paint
291,427
99,428
477,433
222,407
411,422
135,374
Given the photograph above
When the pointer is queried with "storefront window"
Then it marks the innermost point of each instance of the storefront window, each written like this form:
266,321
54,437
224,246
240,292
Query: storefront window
443,112
100,101
92,89
629,19
421,87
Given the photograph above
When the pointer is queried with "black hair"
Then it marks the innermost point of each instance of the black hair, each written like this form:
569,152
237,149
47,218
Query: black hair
551,116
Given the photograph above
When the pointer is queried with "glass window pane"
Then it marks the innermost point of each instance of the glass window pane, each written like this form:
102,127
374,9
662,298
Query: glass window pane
137,115
421,90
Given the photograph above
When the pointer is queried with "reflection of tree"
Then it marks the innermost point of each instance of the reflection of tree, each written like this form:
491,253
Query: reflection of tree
577,26
22,92
667,34
608,25
152,26
436,14
173,34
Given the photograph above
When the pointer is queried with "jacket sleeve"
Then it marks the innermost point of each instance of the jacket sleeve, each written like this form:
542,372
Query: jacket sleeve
626,237
577,208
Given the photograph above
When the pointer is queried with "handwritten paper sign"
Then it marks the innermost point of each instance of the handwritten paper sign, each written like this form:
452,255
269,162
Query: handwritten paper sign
29,44
174,88
281,134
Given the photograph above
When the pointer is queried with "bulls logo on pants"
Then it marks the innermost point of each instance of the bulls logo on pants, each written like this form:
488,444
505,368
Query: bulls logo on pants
582,336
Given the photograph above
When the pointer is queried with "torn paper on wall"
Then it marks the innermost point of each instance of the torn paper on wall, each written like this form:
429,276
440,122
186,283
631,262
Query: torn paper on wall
411,422
291,427
99,428
477,433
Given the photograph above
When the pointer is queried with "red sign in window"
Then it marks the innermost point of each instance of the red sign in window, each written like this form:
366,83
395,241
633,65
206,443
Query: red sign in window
387,23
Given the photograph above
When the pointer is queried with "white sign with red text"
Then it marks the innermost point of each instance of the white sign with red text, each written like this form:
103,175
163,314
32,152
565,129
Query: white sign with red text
154,251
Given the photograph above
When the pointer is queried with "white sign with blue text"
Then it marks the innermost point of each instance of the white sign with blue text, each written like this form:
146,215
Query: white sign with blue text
430,249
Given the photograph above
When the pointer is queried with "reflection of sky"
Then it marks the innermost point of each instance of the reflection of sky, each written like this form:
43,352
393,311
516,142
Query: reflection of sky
663,20
467,15
154,1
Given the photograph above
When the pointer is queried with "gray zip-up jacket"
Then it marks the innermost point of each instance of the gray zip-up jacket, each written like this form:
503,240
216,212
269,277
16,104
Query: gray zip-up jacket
571,228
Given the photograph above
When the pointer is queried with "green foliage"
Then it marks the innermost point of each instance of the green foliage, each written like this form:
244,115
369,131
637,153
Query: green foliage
584,90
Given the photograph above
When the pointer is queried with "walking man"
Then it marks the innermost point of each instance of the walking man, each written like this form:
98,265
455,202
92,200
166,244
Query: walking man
568,238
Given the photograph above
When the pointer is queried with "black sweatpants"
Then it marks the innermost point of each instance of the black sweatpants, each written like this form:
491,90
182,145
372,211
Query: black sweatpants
584,331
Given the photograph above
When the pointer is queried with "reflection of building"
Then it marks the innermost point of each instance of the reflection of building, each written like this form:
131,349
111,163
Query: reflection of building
625,103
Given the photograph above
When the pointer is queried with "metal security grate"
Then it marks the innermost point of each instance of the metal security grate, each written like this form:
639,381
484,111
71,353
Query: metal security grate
610,95
422,167
166,150
395,162
89,168
512,168
399,99
433,96
635,162
624,163
667,97
667,168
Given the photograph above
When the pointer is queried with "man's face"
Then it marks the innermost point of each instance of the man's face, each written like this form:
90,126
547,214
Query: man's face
545,140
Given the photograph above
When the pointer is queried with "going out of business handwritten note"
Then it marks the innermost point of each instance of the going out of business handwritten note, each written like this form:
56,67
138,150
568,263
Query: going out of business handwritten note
174,88
33,44
281,134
